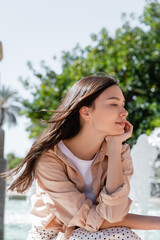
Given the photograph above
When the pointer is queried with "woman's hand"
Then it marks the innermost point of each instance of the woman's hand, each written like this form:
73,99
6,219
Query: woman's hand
122,137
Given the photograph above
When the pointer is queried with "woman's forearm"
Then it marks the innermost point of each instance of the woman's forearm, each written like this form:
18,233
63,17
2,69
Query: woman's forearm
135,221
114,171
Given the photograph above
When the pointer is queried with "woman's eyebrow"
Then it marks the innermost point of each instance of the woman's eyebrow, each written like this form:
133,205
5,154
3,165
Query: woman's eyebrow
115,98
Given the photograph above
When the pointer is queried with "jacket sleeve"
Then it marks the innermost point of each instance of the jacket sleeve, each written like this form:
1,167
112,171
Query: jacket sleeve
114,207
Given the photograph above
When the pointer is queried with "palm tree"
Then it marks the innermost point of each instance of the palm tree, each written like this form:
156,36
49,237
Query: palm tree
9,110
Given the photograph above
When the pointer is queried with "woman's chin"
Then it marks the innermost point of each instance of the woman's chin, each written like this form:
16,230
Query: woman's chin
116,133
119,132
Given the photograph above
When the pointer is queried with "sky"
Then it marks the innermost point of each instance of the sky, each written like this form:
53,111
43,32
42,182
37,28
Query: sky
36,30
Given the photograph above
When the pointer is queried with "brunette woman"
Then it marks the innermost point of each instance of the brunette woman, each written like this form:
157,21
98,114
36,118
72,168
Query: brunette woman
83,167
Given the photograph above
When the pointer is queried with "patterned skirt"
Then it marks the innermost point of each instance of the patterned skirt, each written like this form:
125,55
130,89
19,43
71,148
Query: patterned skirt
115,233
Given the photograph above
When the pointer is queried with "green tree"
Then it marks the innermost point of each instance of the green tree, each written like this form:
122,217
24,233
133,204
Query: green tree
13,161
132,56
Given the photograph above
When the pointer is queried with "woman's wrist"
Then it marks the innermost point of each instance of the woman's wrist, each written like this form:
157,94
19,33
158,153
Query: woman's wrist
113,143
114,147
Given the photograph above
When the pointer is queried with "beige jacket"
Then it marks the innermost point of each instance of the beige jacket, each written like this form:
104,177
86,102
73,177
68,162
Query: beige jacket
60,204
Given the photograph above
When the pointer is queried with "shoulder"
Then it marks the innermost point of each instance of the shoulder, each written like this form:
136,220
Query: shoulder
49,160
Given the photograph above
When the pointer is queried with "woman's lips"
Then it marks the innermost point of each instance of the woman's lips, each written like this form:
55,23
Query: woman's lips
121,124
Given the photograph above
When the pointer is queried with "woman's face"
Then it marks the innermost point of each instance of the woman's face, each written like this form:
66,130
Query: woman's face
109,115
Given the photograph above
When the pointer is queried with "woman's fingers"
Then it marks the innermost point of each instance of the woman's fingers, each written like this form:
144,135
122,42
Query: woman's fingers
124,136
128,130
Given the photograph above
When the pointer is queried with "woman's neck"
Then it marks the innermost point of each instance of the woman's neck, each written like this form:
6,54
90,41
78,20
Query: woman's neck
83,145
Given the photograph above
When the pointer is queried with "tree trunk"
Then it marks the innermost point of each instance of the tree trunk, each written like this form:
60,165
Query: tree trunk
2,184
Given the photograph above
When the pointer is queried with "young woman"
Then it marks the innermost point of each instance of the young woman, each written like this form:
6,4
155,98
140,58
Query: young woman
83,167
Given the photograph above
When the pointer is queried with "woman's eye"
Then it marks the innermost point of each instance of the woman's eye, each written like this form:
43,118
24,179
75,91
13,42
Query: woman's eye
114,104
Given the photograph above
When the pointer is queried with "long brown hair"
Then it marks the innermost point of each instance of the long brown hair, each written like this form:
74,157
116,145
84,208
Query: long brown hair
64,124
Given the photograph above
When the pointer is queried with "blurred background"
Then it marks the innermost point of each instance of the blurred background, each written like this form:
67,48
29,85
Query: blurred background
48,45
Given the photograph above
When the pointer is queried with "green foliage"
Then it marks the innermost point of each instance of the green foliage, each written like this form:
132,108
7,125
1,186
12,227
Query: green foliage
13,161
132,56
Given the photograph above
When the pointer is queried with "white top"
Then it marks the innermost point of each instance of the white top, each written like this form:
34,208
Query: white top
83,166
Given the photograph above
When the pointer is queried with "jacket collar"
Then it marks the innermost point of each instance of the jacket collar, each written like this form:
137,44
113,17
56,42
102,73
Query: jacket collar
100,156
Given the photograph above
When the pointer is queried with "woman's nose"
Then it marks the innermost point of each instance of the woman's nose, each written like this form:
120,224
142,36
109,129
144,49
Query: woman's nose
124,112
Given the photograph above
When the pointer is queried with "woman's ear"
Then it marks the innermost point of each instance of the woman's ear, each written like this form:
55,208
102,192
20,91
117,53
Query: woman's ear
84,113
